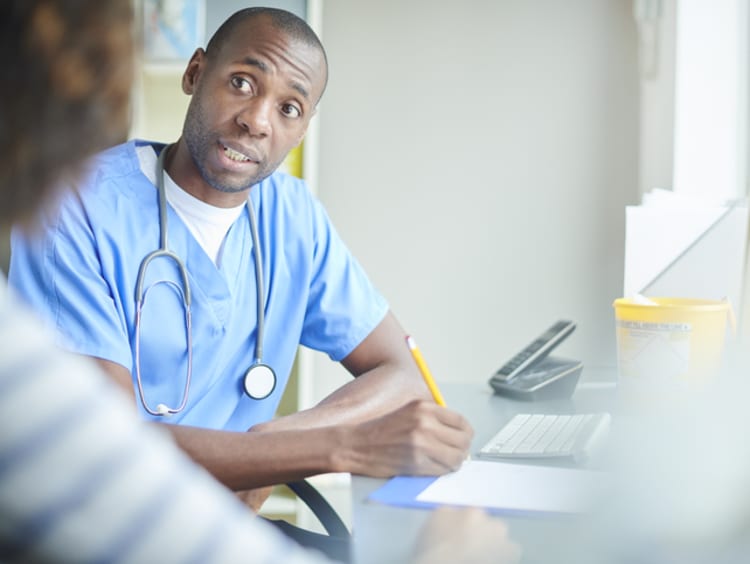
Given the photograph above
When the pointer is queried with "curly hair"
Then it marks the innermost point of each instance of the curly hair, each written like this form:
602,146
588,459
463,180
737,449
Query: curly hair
64,93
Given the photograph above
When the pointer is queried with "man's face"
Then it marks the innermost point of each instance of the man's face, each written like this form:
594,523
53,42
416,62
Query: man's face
252,102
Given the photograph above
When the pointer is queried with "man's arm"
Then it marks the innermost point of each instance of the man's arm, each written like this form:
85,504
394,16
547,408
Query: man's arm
386,378
372,426
420,438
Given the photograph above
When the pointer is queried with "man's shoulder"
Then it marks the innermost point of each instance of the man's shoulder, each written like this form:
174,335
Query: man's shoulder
284,181
286,192
116,170
119,160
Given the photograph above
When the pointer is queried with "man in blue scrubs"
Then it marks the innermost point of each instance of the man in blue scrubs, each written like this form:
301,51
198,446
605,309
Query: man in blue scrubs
254,89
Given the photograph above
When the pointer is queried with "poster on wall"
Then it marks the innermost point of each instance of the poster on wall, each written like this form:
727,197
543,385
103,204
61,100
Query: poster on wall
172,29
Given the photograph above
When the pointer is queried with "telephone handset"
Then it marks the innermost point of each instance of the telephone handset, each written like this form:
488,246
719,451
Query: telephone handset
532,374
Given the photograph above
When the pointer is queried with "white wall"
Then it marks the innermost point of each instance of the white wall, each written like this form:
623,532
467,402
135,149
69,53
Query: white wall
477,157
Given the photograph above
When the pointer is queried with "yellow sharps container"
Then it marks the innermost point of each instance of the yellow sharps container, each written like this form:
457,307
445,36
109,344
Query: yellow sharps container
669,342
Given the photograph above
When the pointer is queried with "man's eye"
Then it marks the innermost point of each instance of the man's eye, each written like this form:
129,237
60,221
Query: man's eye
290,110
242,84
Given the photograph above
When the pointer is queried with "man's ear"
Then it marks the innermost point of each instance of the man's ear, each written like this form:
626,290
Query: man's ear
304,131
193,71
301,137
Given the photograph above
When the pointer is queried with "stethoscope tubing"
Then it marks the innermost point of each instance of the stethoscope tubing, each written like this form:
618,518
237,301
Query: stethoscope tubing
184,291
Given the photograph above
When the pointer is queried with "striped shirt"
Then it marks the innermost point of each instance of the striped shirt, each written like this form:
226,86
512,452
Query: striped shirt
83,479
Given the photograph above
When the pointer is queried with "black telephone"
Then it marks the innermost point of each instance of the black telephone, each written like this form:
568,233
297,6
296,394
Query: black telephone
532,374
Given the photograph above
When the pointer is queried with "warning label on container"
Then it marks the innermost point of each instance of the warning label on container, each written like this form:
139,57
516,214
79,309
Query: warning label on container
656,352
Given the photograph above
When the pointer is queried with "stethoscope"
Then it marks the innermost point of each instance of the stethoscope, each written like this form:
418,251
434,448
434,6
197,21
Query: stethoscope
259,380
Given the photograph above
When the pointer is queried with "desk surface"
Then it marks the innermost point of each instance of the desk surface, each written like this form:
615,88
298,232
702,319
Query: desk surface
387,534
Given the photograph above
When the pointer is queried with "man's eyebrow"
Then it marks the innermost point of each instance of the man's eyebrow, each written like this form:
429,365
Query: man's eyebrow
263,67
255,63
301,89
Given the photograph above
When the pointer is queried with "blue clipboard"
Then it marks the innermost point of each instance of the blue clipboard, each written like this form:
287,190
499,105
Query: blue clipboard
501,489
402,491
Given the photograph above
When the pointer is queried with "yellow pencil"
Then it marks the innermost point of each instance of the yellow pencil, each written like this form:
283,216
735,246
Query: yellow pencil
422,365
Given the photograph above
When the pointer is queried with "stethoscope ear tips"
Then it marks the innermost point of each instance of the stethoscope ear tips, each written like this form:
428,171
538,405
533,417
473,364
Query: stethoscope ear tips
162,409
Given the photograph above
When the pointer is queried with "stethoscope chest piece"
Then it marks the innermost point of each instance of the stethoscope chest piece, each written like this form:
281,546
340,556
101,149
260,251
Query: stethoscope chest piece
259,381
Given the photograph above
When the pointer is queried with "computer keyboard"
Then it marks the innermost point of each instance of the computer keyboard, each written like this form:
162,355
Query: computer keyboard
547,436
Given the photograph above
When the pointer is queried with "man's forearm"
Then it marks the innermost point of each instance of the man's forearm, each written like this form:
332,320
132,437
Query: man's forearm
375,393
418,438
249,460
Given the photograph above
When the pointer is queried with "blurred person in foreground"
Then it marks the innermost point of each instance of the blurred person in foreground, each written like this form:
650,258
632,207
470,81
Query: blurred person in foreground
679,464
82,479
683,475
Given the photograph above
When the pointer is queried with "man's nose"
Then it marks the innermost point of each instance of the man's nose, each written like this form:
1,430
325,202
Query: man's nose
256,117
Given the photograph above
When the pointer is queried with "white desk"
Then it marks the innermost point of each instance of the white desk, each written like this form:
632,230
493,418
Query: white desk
386,534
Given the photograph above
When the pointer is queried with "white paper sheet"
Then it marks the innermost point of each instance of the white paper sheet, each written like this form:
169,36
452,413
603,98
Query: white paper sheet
517,488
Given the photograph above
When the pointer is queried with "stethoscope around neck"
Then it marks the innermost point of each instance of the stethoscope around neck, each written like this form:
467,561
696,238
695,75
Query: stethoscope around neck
259,379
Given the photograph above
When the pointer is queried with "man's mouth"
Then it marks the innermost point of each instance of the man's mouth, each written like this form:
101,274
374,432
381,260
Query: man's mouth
236,155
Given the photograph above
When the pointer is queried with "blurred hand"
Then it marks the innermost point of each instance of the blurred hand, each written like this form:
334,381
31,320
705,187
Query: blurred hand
254,499
420,438
469,535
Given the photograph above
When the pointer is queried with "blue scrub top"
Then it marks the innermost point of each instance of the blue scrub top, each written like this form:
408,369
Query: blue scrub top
80,272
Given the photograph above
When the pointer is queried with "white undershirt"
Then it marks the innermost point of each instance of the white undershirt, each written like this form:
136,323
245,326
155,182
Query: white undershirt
208,224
